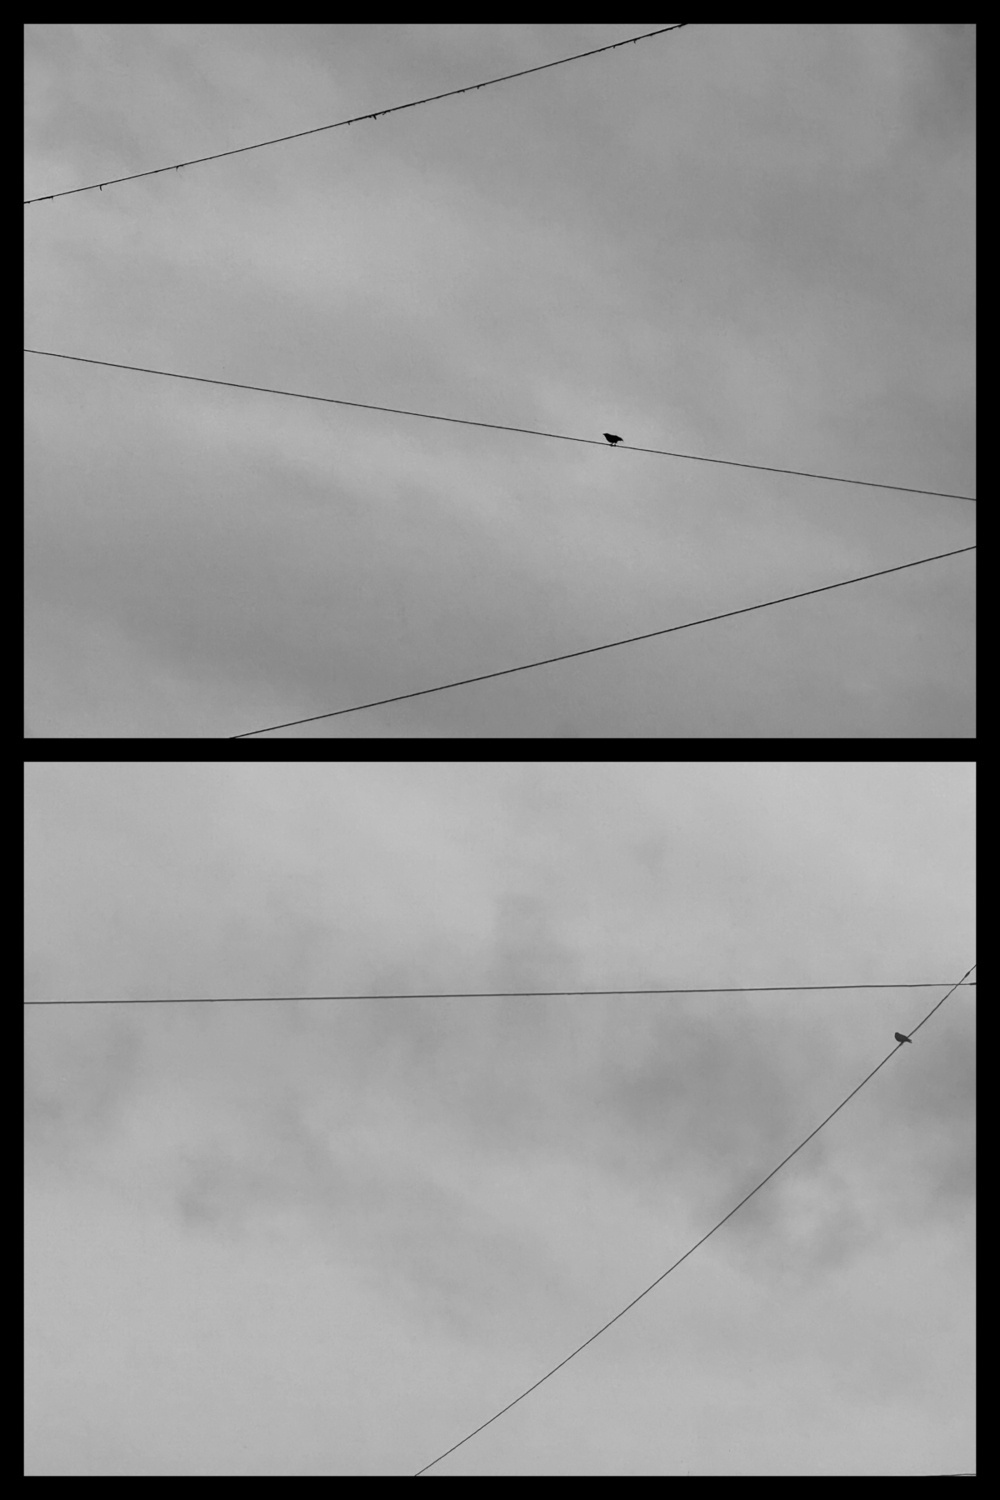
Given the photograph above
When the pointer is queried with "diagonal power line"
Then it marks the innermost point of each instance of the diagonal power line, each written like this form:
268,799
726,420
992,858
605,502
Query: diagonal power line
754,989
694,1247
374,115
563,437
608,646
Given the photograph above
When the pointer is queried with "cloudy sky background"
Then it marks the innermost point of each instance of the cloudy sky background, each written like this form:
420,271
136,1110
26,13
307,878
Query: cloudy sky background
747,242
318,1238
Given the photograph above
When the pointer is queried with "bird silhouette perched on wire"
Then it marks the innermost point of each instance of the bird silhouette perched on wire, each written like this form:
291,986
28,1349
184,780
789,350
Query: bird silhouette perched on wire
901,1038
612,438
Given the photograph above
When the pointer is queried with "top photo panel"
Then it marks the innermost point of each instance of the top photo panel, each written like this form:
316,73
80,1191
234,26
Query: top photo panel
500,381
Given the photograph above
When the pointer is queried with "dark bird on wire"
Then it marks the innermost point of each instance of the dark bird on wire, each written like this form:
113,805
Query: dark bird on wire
901,1038
612,438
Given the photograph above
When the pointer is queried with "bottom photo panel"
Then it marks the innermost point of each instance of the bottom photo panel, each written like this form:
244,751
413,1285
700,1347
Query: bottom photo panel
499,1118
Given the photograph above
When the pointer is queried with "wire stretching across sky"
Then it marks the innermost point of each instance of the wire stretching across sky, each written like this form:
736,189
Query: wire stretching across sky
694,1247
753,989
563,437
374,115
608,646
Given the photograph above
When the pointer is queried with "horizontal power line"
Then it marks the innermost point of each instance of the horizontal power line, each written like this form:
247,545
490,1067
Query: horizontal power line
562,437
694,1247
753,989
374,115
608,646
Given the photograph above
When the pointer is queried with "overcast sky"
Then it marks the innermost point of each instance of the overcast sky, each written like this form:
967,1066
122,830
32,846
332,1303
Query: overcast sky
747,242
334,1237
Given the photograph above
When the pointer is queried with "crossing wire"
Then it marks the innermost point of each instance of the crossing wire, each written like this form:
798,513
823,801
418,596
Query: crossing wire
695,1246
754,989
563,437
590,650
374,115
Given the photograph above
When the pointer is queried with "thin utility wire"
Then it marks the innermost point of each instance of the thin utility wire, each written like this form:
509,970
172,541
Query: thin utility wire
608,646
562,437
374,115
753,989
694,1247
